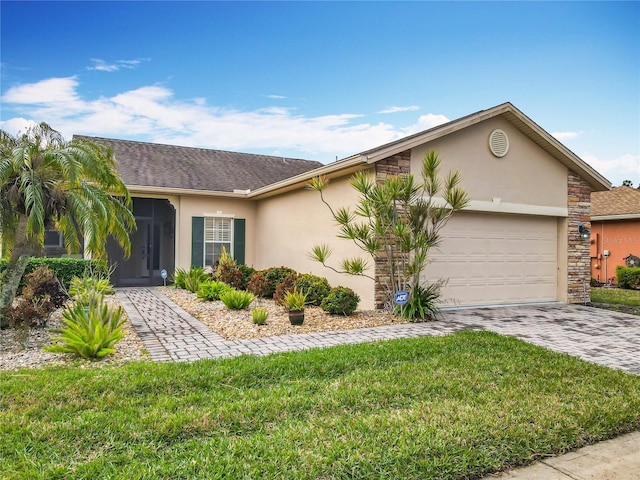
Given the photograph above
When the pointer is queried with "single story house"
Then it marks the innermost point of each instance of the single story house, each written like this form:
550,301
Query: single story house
615,231
517,242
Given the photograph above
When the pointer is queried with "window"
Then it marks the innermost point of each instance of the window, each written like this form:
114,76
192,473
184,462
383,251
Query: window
218,233
52,238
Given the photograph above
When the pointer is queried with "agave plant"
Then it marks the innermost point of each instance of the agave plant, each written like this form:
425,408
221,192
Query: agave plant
89,331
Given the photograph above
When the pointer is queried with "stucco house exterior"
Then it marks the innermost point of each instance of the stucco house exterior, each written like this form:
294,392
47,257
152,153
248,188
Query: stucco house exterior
517,242
615,230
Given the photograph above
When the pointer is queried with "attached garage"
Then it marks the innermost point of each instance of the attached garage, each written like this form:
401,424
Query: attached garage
492,259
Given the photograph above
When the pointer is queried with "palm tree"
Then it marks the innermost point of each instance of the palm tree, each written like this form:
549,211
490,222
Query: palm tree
47,182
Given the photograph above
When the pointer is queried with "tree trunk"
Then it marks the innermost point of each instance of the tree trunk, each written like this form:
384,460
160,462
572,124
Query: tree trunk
20,254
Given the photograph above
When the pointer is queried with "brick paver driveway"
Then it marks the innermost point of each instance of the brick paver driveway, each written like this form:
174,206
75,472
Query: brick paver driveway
600,336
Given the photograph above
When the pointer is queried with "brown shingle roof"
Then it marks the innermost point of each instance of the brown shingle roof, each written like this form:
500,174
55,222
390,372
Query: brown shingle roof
157,165
619,201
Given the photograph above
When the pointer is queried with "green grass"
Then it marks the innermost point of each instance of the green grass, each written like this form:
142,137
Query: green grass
617,296
453,407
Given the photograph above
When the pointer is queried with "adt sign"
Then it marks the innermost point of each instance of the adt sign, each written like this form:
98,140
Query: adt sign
401,297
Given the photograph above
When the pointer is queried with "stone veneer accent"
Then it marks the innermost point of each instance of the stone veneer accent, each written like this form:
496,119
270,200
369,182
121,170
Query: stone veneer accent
578,250
398,164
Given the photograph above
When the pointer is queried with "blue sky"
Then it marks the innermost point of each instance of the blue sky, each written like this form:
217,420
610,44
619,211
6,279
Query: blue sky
323,80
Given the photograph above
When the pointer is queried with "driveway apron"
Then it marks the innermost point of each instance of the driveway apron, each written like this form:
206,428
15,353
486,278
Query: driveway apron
600,336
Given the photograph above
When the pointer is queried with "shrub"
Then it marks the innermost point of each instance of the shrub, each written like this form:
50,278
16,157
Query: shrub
247,273
227,271
212,290
41,283
237,299
191,279
63,268
81,285
28,313
285,286
90,332
628,277
341,301
258,285
274,276
259,315
422,304
316,288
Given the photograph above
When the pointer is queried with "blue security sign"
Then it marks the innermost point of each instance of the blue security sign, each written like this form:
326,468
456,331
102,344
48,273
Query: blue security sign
163,274
401,297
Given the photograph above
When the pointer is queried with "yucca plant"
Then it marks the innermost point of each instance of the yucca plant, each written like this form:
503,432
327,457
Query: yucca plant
259,315
79,286
89,331
190,280
237,299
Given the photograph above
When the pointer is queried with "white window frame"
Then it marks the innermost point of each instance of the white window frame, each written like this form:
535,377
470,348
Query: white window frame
217,236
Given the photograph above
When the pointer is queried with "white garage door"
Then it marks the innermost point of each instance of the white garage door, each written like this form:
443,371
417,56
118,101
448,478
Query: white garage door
492,259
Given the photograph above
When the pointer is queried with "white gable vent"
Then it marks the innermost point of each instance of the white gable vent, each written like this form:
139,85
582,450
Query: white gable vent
499,143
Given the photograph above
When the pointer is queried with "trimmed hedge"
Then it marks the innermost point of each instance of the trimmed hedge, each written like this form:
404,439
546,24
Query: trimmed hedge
63,268
628,277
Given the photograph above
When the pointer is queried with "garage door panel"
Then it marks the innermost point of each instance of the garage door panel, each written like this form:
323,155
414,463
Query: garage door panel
497,259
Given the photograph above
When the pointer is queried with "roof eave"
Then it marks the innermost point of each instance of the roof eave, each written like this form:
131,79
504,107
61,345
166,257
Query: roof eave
519,120
341,167
146,189
626,216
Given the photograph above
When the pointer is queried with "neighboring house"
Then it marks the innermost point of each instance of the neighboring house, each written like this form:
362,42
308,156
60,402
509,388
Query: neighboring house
615,230
517,242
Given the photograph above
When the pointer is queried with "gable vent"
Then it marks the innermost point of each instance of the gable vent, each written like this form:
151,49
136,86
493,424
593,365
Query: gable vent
499,143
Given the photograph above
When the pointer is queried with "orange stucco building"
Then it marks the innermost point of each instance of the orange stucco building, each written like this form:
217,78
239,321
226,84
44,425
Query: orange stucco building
615,230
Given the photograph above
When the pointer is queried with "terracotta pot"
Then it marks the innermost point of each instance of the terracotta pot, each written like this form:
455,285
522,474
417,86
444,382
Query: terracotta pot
296,317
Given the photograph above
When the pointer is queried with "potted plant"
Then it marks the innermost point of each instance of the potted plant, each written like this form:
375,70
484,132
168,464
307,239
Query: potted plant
295,301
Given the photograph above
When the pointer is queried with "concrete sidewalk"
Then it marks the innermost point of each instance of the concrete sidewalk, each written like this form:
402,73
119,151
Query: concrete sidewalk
616,459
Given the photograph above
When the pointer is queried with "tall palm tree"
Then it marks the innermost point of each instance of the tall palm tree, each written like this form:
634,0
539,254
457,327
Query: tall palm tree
47,182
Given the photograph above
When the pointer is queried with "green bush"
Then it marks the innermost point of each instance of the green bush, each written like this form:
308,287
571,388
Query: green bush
274,276
287,285
237,299
423,303
316,288
259,315
341,301
63,268
90,332
212,290
90,290
258,285
190,279
628,277
247,273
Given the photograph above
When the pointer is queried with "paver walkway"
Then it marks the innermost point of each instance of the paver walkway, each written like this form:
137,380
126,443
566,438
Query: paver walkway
601,336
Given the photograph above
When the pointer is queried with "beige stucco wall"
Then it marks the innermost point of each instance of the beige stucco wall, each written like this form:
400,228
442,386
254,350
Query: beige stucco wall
188,206
525,175
290,224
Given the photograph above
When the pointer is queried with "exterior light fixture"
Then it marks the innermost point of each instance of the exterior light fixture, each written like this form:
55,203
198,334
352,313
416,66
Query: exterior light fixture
584,232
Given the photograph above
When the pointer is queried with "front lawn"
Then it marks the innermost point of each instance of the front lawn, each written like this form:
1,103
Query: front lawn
618,296
452,407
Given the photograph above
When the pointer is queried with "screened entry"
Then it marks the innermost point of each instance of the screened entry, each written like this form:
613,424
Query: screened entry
152,245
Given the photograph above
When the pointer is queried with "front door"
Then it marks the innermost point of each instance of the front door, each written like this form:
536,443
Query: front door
152,245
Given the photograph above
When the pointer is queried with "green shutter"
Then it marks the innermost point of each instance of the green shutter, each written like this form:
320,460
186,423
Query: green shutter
239,225
197,241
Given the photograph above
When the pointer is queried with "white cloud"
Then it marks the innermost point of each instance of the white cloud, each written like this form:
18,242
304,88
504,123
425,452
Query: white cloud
425,122
102,66
616,170
152,113
276,97
566,135
394,109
